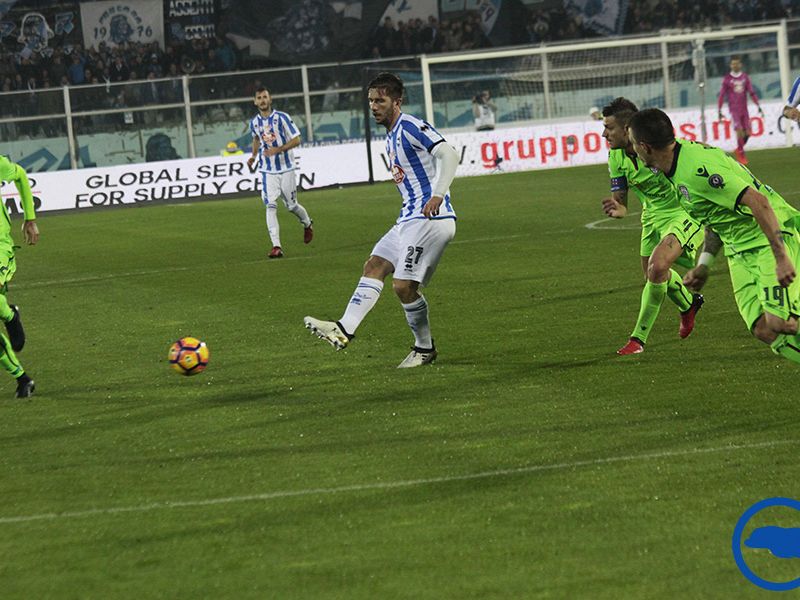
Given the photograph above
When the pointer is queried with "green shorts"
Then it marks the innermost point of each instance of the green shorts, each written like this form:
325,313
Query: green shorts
688,231
8,266
756,287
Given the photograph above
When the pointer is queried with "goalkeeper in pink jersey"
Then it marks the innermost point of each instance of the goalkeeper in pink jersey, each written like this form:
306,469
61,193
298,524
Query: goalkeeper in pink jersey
735,87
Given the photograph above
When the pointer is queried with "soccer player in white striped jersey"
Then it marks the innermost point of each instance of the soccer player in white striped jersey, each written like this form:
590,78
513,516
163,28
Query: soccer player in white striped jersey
423,165
790,111
274,137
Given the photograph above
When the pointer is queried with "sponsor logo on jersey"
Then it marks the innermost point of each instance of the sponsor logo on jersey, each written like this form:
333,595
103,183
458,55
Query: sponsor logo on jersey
716,181
398,174
268,136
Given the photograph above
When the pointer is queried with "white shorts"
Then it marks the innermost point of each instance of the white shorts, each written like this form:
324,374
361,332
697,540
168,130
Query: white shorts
274,185
415,247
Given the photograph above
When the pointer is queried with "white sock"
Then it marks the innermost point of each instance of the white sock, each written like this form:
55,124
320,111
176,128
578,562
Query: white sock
298,211
417,317
272,225
361,302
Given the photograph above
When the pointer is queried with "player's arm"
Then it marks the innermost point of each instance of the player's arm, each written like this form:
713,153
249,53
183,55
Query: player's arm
446,164
754,96
766,219
254,154
697,277
616,206
292,143
790,110
10,171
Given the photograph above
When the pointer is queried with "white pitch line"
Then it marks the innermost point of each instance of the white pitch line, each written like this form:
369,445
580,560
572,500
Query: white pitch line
390,485
144,272
619,224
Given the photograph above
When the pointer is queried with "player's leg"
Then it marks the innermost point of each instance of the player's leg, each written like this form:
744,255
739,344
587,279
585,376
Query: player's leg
423,243
10,363
270,190
741,123
10,315
780,306
289,193
689,237
652,296
364,297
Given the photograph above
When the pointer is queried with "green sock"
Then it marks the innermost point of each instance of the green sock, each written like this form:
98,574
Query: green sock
788,346
652,298
677,292
6,314
8,359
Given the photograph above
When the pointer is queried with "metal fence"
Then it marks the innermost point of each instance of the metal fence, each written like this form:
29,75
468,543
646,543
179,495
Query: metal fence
159,119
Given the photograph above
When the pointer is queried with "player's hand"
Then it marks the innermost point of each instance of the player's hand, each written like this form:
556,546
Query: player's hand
431,208
30,232
720,116
696,278
793,114
614,209
784,269
250,162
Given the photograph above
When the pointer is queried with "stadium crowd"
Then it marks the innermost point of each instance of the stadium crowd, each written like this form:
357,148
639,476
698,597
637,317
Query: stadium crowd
75,65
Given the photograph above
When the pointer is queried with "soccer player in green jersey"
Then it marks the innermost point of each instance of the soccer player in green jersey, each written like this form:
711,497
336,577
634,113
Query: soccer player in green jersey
756,225
669,235
9,313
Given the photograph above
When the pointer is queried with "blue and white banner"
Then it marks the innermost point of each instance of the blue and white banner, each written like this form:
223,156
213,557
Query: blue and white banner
122,22
605,17
6,6
489,10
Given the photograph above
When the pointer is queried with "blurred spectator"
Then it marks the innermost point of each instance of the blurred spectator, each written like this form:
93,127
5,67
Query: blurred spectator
483,110
76,70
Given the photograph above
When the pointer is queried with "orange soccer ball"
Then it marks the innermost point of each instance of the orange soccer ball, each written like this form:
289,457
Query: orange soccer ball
188,356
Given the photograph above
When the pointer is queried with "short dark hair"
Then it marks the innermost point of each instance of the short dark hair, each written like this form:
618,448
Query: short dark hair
737,57
621,109
653,127
390,83
260,89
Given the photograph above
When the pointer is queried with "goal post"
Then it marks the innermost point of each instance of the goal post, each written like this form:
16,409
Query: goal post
562,81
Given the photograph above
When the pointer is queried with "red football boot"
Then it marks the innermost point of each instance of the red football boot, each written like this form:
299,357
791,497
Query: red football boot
633,346
276,252
688,317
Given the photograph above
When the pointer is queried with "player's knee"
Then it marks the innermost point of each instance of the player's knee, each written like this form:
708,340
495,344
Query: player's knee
761,331
657,269
377,268
779,325
405,290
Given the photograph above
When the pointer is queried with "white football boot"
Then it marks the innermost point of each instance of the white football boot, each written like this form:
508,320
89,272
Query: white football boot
330,331
417,358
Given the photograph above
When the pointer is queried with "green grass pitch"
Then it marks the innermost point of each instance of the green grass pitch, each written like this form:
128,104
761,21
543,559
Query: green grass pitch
529,462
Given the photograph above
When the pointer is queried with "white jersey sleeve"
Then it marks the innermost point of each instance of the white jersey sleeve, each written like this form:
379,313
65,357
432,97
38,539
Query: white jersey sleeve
794,95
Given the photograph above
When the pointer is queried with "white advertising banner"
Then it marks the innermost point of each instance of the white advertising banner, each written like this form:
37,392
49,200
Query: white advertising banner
502,150
123,21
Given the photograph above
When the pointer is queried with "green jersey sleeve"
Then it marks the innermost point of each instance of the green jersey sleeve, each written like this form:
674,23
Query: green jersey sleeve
10,171
616,171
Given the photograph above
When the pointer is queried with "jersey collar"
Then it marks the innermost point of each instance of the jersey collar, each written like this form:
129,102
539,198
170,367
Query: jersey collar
675,152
